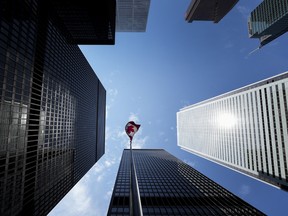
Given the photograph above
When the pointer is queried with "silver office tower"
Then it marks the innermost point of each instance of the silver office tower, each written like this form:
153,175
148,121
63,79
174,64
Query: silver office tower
245,130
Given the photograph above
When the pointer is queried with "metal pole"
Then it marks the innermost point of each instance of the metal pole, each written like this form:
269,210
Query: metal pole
135,201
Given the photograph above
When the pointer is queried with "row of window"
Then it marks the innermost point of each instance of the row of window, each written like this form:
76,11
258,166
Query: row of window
187,191
254,139
267,13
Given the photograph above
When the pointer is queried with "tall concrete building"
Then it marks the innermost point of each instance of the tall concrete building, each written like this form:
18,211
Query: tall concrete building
245,130
208,10
52,105
268,21
170,187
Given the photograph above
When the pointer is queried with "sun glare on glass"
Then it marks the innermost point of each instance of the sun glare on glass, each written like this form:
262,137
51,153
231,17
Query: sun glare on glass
226,120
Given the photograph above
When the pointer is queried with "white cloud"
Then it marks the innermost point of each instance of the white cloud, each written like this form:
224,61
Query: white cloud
244,11
107,133
106,161
98,167
107,111
119,135
112,92
81,196
77,203
245,190
109,163
133,117
85,197
108,194
139,143
100,177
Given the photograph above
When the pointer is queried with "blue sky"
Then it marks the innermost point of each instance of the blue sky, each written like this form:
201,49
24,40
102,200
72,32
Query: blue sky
150,76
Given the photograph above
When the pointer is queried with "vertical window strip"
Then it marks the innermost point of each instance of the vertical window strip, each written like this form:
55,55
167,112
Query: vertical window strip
277,128
280,131
249,131
242,128
247,152
220,132
265,120
285,126
255,131
238,144
268,145
228,141
234,133
262,132
273,137
229,137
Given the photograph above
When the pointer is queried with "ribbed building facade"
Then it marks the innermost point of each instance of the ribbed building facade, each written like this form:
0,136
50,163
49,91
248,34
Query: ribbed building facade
268,20
52,110
170,187
245,130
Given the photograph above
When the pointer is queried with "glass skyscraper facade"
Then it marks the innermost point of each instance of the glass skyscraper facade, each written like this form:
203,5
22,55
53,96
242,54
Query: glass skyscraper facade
52,109
245,130
132,15
170,187
268,20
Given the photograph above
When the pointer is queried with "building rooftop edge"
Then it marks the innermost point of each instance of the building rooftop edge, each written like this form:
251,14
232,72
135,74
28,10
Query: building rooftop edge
238,90
145,149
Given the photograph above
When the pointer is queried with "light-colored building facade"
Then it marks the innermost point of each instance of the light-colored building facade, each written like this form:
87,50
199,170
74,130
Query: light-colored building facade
245,130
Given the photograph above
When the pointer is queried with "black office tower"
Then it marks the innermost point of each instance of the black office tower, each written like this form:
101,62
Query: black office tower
170,187
52,105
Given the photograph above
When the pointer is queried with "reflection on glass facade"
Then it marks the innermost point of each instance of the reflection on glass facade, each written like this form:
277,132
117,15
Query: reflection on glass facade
269,20
245,129
132,15
52,111
170,187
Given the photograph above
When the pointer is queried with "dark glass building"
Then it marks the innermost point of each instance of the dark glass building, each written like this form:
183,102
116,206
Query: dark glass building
208,10
170,187
52,105
268,21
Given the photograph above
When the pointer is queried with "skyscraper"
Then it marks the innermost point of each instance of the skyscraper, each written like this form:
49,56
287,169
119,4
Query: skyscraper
132,15
52,105
170,187
268,21
208,10
245,130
